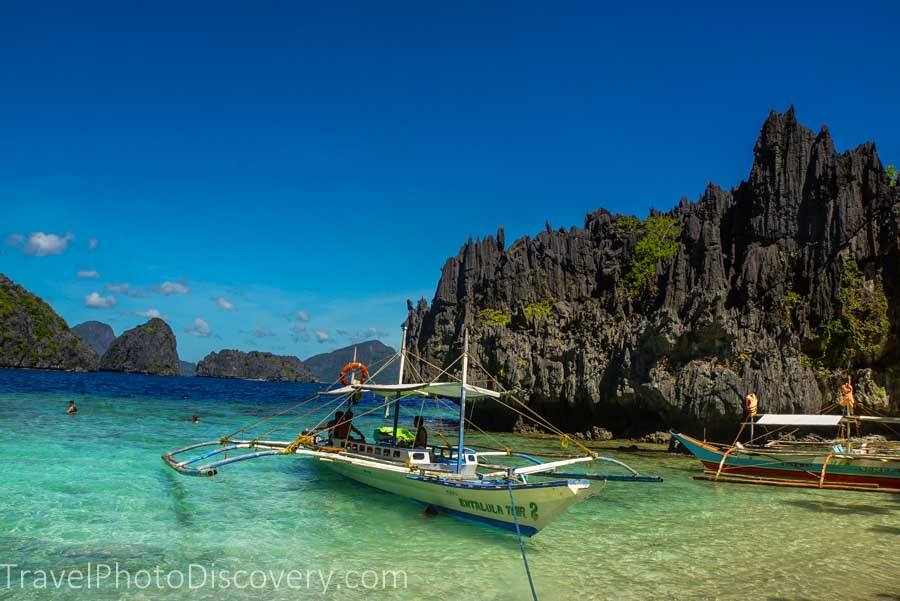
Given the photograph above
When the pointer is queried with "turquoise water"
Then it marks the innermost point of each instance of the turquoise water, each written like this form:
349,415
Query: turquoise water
91,490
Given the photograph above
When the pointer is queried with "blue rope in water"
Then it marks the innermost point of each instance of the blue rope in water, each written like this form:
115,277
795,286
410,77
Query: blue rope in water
512,504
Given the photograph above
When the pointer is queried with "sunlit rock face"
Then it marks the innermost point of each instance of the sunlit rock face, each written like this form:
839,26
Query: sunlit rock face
781,286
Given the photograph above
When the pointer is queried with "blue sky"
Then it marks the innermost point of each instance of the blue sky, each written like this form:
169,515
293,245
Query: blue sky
313,166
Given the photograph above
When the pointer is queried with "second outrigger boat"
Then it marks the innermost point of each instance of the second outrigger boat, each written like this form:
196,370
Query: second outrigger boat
455,479
845,462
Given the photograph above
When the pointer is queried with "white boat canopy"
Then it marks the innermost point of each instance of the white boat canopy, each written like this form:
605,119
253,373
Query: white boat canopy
789,419
448,390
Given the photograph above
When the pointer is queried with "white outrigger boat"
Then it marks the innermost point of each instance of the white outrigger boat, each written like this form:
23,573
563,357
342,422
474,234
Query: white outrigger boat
454,479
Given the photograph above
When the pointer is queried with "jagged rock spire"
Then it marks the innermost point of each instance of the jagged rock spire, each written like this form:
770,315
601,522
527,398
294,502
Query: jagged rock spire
756,274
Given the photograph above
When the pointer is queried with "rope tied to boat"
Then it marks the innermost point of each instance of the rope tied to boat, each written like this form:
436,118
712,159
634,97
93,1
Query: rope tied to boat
734,446
302,440
512,506
825,467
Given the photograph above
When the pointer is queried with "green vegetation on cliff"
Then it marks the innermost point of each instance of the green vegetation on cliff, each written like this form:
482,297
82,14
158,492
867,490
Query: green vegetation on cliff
791,300
860,330
494,317
658,241
43,318
32,335
541,309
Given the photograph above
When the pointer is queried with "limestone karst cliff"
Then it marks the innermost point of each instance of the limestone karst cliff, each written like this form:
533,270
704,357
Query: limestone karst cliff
780,286
33,336
150,348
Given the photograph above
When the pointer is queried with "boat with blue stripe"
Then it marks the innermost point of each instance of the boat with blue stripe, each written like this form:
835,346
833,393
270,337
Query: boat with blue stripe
454,479
844,463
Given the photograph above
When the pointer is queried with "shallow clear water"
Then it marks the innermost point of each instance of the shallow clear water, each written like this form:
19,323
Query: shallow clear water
91,490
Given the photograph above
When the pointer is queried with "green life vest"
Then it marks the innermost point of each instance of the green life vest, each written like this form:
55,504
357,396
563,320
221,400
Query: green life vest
386,434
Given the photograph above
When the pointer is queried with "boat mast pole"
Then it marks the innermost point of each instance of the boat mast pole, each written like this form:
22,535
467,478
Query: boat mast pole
399,381
402,356
462,402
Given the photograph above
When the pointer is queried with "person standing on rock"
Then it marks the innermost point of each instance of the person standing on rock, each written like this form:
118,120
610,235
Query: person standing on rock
72,410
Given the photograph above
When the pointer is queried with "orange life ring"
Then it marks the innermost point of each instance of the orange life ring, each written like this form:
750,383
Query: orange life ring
363,371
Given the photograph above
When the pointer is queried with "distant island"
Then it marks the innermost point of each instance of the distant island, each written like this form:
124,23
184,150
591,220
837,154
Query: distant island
186,368
33,336
373,353
97,334
253,365
147,349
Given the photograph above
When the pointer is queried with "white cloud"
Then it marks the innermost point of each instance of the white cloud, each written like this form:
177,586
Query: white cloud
302,315
88,273
96,301
92,244
322,336
201,329
169,288
150,313
224,304
39,244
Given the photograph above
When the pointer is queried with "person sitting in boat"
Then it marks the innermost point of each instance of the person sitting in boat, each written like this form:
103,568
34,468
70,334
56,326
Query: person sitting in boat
340,426
72,408
421,433
332,425
344,428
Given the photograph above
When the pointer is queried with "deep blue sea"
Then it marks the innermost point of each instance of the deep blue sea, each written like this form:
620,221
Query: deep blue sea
89,493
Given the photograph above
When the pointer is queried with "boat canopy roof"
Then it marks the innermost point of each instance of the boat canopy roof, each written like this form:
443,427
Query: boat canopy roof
790,419
449,390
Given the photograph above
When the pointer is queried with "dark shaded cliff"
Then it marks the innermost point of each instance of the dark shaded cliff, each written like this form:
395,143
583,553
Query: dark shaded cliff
779,286
97,334
33,336
373,354
150,348
254,365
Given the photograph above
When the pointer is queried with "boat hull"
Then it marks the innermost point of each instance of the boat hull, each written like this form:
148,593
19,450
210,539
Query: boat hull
536,505
840,469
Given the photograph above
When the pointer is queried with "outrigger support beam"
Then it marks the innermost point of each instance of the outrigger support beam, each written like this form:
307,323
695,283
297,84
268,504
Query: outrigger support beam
611,477
211,469
540,467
